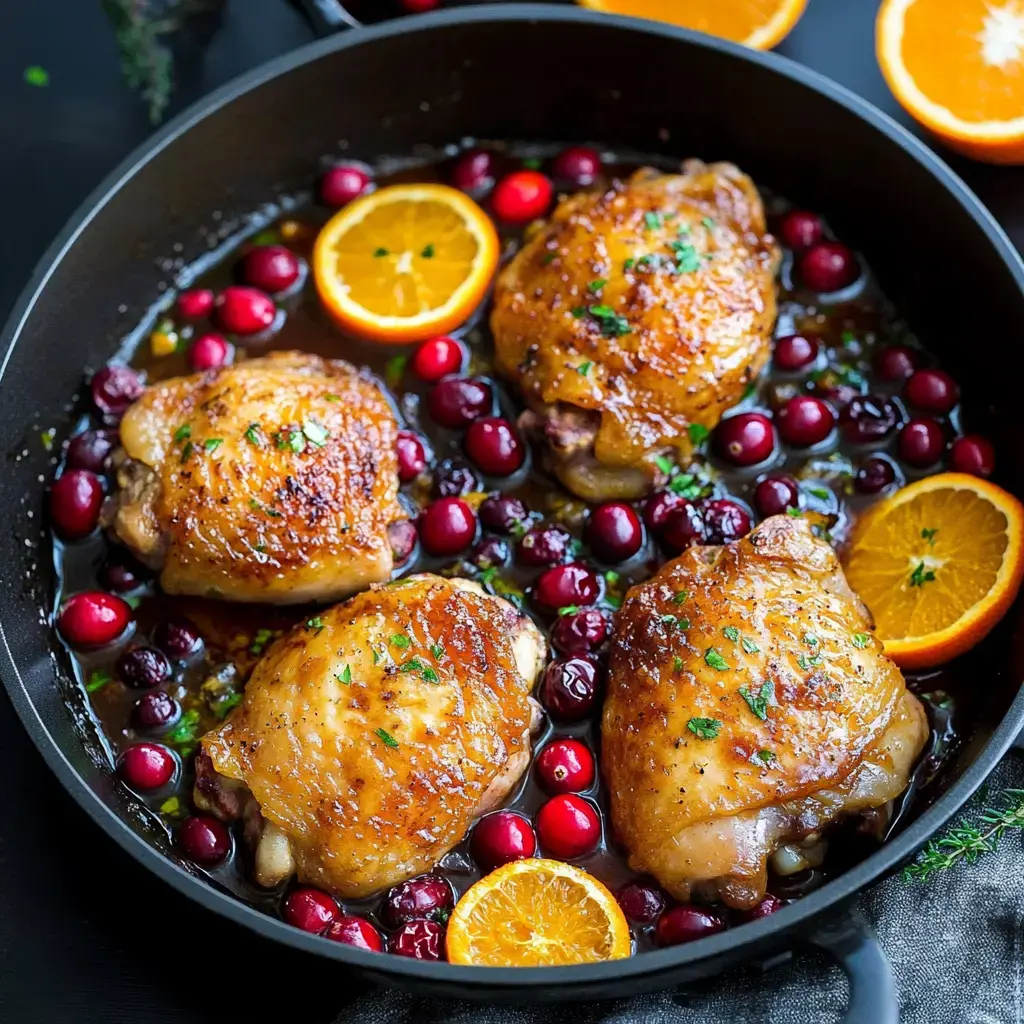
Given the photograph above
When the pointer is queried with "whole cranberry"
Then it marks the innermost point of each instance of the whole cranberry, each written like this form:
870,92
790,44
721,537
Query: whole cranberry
805,421
658,508
522,196
421,940
453,478
75,501
565,766
897,362
245,311
800,229
563,586
766,907
447,526
309,909
343,183
195,303
874,475
121,573
474,172
569,826
90,450
745,439
209,352
776,495
437,358
113,389
725,521
686,923
502,513
684,527
204,840
489,552
577,166
568,688
500,838
829,266
921,443
356,931
614,532
868,419
642,902
402,537
146,766
932,390
156,710
456,401
412,456
93,619
493,444
795,352
142,668
177,639
545,546
271,268
580,632
973,454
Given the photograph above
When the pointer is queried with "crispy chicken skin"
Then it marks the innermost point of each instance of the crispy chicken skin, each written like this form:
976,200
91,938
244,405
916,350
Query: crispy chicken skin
688,266
373,735
749,705
274,480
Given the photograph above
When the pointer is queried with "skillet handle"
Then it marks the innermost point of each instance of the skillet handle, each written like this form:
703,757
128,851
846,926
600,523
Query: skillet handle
851,941
327,16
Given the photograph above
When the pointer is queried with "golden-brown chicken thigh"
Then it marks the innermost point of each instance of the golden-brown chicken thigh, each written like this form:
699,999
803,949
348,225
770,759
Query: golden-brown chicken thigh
749,705
371,736
634,314
273,480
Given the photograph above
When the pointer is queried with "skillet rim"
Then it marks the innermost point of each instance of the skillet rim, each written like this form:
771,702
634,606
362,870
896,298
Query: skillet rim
479,980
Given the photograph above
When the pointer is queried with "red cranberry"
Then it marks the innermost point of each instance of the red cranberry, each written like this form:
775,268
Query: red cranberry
142,668
456,401
565,766
805,421
90,449
146,766
113,389
658,508
93,619
474,172
569,687
568,826
494,445
580,632
874,476
271,268
421,940
489,552
342,184
522,196
614,532
500,838
725,521
75,501
309,909
121,573
867,419
897,362
447,526
566,585
686,923
356,931
155,710
412,456
745,439
829,266
204,840
209,352
921,443
402,537
795,351
932,390
545,546
973,454
453,478
642,902
577,166
438,357
766,907
501,513
242,310
775,495
177,640
800,229
685,526
195,303
419,6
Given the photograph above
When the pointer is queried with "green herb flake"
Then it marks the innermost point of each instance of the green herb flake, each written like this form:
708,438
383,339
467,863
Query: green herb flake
186,729
429,675
46,437
749,646
597,284
97,680
686,485
806,663
748,391
758,703
376,656
211,444
698,433
677,663
268,237
400,640
394,370
186,452
653,220
584,368
715,660
613,601
708,222
731,633
569,609
412,665
253,435
344,676
316,624
579,311
389,740
549,257
848,338
765,756
611,577
437,651
314,432
612,324
704,728
629,264
533,163
380,251
810,639
929,535
680,596
687,257
819,492
260,640
920,576
428,251
170,806
37,76
225,704
332,398
861,640
795,513
665,464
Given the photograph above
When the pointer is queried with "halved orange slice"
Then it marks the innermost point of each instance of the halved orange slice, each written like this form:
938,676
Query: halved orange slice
938,564
537,913
405,262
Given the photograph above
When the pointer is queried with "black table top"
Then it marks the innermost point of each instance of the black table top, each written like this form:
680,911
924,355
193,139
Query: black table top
85,933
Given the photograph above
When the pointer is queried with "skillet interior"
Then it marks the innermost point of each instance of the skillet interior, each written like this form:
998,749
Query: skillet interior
631,86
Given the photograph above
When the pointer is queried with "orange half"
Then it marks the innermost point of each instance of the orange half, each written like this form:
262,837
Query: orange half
405,263
938,564
537,913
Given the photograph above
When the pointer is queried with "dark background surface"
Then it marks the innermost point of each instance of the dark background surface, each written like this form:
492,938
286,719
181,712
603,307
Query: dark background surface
85,934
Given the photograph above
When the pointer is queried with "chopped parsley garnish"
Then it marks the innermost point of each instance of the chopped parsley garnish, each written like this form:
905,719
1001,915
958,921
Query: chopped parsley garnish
808,663
344,676
332,398
315,433
685,485
749,646
704,728
401,640
680,596
861,640
795,513
47,437
597,284
37,76
394,370
687,257
848,338
929,535
569,609
389,740
437,651
765,756
211,444
376,656
611,577
260,640
381,251
253,435
713,658
920,576
533,163
758,703
629,264
748,391
698,433
170,806
428,251
612,324
583,369
731,633
185,730
316,624
708,223
412,665
225,704
664,463
429,675
183,433
97,680
549,257
653,220
810,639
677,663
819,492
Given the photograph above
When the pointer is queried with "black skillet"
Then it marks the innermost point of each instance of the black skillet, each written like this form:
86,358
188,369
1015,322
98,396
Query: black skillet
512,71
